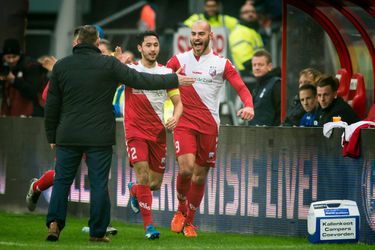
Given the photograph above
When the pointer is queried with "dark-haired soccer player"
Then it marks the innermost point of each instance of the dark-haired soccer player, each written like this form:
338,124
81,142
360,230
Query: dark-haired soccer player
145,131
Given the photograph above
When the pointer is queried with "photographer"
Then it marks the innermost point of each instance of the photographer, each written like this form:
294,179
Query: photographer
22,80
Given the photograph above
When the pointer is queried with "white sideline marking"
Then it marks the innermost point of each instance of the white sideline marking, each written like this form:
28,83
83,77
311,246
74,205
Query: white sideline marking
10,243
108,245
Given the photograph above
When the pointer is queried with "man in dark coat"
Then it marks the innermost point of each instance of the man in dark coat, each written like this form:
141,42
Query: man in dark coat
79,118
266,95
332,105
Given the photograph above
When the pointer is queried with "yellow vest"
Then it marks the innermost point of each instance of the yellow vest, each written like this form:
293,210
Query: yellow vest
243,42
219,21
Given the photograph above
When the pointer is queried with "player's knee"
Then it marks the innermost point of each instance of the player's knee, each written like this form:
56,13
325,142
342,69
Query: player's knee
186,168
186,172
155,185
198,179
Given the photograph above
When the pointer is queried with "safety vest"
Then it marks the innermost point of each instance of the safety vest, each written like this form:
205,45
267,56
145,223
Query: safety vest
215,21
243,42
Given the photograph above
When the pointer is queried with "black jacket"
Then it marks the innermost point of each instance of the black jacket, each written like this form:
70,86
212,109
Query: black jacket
266,99
337,108
295,113
79,107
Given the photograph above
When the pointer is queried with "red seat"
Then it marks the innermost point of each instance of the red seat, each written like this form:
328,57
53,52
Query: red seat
344,79
357,95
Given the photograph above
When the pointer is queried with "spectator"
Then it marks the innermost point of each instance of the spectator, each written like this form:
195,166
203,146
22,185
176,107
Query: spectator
118,100
309,102
332,105
244,39
147,20
309,75
295,110
24,83
212,16
266,94
130,58
269,17
105,47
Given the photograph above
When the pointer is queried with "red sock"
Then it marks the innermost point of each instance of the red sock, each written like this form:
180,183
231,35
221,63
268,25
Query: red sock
183,187
195,197
45,181
144,197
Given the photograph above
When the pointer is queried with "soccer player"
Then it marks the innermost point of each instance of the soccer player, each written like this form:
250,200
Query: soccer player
145,132
196,134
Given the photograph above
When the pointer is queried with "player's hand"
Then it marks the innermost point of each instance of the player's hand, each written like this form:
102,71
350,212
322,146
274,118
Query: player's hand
171,123
184,80
246,113
121,56
47,62
52,145
118,51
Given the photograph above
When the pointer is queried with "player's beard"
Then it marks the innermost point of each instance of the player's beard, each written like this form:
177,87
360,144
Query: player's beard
151,59
205,44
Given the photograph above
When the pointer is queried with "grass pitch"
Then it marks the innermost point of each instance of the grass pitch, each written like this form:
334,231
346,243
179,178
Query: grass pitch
28,231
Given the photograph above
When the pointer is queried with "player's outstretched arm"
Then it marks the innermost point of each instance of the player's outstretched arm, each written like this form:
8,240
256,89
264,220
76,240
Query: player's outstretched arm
184,80
139,80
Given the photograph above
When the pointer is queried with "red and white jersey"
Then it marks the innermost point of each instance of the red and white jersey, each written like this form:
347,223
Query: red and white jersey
201,100
144,108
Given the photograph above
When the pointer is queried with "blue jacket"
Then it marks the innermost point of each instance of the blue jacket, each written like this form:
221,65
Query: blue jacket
309,119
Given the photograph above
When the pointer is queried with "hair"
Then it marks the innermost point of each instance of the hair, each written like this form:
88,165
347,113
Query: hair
88,34
326,80
217,1
141,36
311,71
264,53
308,86
106,43
76,31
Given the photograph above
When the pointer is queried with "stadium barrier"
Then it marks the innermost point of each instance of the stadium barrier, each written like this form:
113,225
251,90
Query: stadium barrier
263,183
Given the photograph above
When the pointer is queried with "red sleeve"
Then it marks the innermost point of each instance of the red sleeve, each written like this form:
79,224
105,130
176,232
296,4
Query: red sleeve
235,80
173,64
44,95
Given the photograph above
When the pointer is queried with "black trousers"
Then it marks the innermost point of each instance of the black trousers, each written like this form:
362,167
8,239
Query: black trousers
98,161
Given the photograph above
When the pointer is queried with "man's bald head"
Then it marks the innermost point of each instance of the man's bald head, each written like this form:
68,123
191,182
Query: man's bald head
200,37
201,24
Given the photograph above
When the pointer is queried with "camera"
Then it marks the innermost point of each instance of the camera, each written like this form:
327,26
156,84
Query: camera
4,69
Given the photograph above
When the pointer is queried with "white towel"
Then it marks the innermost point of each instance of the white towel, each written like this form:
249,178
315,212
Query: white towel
327,128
